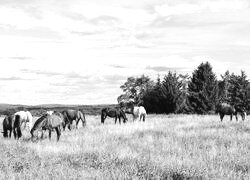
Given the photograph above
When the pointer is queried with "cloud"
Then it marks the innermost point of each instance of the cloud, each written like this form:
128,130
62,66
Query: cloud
104,20
40,72
37,32
86,33
164,68
198,7
104,42
114,79
190,21
117,66
11,79
22,58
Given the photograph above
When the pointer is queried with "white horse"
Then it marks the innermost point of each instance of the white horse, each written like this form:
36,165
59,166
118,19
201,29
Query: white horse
139,112
25,117
49,112
136,111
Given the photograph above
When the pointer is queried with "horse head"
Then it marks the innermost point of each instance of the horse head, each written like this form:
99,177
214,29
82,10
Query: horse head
103,114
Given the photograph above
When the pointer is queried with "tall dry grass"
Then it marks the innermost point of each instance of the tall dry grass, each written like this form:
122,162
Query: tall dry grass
164,147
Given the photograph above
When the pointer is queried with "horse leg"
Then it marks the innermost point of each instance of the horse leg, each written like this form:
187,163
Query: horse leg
19,133
58,132
49,134
64,126
221,117
83,121
69,126
14,131
140,116
5,133
143,116
115,119
244,115
119,120
77,121
10,133
236,116
42,134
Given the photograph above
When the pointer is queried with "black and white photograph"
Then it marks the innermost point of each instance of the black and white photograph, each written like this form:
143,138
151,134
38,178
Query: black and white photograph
122,89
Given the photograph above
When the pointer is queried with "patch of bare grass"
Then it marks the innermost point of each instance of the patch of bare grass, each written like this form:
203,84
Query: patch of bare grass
164,147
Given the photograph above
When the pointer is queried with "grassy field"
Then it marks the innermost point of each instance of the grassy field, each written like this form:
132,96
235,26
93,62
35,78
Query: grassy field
164,147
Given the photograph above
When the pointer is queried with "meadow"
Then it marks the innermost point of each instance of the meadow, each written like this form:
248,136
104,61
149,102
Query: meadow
164,147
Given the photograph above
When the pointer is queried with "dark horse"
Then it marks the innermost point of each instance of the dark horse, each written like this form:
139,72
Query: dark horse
48,122
13,123
8,125
115,113
70,115
226,109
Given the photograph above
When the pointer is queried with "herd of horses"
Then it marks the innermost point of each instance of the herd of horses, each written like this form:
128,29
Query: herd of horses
58,121
50,121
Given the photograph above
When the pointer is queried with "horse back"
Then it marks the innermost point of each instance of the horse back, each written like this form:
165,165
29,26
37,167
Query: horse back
142,110
71,114
225,108
54,121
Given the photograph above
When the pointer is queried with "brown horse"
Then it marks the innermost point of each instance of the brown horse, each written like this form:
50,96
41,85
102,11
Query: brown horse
48,122
226,109
114,113
70,115
8,125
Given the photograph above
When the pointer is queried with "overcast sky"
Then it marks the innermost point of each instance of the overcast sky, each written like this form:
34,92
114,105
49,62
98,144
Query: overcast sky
80,52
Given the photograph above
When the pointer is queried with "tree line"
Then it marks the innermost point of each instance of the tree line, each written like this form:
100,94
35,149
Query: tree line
199,93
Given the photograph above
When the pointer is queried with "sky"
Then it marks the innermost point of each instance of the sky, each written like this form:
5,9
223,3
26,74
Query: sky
81,52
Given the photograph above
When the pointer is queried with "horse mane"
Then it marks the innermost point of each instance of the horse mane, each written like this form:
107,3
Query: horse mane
38,121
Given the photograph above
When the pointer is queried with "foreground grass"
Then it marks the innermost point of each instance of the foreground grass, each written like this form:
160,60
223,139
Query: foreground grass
164,147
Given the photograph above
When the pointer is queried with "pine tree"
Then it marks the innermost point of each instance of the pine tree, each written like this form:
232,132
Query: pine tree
171,92
202,90
223,87
153,98
238,90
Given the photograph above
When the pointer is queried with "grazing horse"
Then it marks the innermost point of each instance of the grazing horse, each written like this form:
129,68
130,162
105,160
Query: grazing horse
137,111
226,109
48,122
8,125
115,113
25,117
70,115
